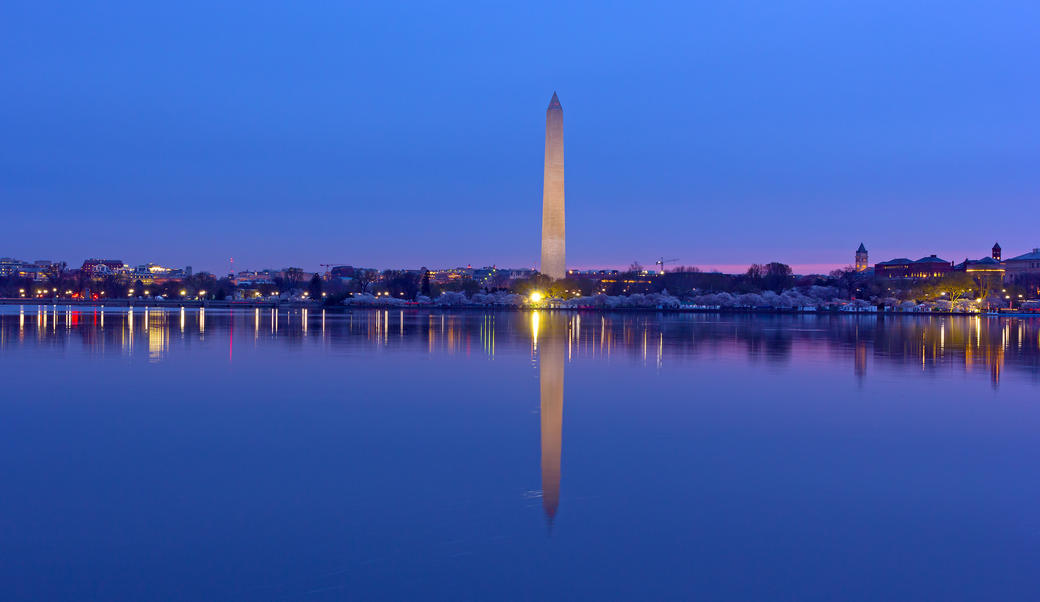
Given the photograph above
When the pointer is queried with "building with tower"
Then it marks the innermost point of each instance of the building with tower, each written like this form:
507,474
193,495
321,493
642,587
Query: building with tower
1027,264
862,264
553,231
996,251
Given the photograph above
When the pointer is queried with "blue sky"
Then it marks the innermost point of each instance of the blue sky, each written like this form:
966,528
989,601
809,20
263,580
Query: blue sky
409,134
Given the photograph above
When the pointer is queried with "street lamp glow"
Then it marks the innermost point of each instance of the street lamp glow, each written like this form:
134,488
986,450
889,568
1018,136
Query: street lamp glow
536,297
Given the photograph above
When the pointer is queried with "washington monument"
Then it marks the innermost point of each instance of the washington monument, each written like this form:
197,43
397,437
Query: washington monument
554,246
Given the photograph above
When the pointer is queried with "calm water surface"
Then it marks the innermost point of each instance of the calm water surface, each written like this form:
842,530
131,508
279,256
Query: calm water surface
207,455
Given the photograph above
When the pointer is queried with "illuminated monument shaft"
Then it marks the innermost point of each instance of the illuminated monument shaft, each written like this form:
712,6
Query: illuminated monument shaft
553,232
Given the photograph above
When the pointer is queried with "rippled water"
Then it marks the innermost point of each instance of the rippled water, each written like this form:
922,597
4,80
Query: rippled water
208,455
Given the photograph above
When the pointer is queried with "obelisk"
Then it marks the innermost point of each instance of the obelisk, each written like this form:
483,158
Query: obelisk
554,246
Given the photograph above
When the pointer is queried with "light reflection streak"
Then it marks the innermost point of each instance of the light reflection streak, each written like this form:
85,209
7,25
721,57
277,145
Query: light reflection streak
984,345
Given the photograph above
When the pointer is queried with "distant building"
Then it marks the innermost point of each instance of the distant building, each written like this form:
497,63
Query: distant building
451,275
985,266
925,267
1024,265
10,266
343,273
152,273
862,263
98,268
38,270
591,273
247,278
996,251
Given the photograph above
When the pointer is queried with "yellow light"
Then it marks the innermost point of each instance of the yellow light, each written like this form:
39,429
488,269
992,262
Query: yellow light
184,293
536,297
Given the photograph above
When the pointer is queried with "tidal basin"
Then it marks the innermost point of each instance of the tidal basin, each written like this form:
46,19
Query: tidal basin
261,454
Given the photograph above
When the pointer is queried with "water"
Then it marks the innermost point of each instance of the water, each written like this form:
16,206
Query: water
187,455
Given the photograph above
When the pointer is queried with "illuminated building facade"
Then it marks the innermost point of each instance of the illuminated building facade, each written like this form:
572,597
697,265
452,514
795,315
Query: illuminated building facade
926,267
986,266
152,273
444,276
41,269
98,268
553,230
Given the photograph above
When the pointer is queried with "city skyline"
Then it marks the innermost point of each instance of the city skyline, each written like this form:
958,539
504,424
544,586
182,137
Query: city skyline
860,260
686,142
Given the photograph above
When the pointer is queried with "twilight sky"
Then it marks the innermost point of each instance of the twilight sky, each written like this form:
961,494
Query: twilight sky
397,134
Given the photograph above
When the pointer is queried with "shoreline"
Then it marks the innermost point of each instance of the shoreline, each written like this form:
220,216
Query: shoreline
172,303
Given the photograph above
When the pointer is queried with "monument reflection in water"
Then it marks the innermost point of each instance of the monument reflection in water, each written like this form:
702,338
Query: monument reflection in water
548,341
